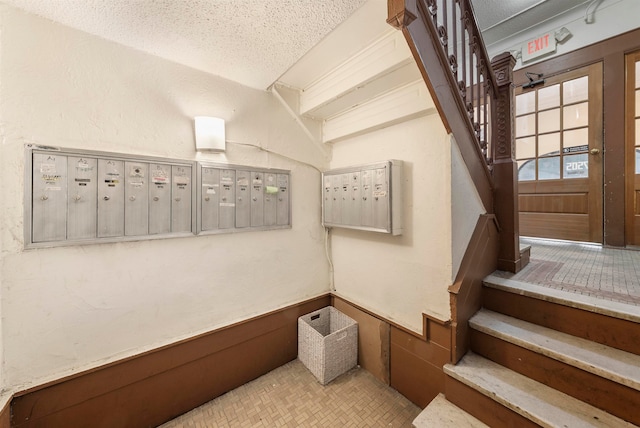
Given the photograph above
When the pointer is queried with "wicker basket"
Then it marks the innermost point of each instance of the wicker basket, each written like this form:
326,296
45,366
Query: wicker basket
327,343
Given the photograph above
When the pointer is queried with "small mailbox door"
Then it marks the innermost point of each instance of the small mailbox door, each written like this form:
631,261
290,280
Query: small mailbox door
282,203
243,199
381,199
136,199
110,198
270,198
210,198
181,199
159,199
49,198
227,199
83,198
257,199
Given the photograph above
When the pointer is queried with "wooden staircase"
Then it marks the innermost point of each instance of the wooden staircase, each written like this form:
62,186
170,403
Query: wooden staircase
544,357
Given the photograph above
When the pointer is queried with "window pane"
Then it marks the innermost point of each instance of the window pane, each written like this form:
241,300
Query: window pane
549,121
575,90
527,170
549,97
637,160
638,102
637,74
549,144
638,132
576,138
526,148
525,125
576,115
549,168
576,166
525,103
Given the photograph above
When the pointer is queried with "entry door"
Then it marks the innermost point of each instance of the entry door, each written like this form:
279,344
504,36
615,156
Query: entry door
559,154
632,155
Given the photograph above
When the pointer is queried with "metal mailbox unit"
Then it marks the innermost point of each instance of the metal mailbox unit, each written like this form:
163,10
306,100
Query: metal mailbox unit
236,198
364,197
83,197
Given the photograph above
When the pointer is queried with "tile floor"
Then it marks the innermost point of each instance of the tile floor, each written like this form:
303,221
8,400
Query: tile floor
290,396
589,269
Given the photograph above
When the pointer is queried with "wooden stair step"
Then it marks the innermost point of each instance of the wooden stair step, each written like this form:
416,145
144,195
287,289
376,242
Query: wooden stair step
574,300
540,404
610,363
442,413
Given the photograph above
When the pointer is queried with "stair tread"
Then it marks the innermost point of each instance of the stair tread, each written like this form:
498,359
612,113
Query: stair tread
574,300
443,413
539,403
610,363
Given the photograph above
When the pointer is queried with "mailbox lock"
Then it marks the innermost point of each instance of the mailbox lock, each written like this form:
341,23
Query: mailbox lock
132,198
155,198
364,198
207,198
177,199
224,199
44,197
77,198
255,199
106,198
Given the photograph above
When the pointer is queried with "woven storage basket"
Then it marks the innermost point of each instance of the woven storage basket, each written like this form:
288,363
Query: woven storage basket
327,343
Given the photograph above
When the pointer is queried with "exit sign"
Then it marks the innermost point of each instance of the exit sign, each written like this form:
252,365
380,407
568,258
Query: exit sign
538,47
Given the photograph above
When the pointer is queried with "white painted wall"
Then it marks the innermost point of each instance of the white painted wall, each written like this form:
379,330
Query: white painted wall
466,207
400,277
611,18
68,309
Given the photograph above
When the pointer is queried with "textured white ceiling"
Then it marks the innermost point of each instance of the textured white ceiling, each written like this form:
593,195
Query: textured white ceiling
252,42
255,42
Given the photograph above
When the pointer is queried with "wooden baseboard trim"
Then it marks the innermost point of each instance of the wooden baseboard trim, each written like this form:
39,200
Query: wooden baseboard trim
156,386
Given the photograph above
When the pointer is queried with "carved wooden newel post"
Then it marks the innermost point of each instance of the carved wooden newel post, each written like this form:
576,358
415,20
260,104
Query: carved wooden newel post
505,169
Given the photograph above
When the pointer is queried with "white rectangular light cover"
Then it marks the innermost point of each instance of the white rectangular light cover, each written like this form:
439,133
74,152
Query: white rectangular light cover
210,133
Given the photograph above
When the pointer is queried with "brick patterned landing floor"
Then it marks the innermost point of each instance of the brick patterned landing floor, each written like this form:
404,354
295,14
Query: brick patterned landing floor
290,396
604,273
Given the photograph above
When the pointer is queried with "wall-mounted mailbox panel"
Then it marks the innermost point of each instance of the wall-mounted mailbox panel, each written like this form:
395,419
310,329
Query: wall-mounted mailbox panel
249,198
365,197
83,197
77,196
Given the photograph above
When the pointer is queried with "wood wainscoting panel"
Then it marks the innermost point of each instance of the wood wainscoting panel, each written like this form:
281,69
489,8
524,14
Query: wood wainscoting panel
479,260
5,415
416,365
154,387
572,227
572,203
373,339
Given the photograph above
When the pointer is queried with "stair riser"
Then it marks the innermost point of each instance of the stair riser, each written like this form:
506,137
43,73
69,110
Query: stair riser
619,400
482,407
614,332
